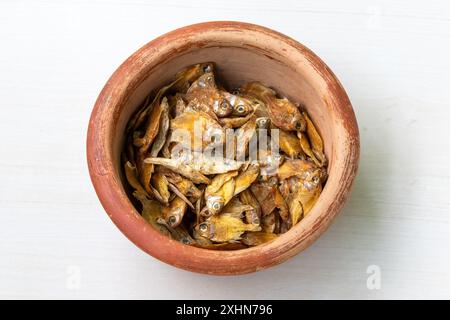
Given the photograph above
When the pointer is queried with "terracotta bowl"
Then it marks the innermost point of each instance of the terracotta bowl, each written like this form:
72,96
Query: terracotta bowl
242,52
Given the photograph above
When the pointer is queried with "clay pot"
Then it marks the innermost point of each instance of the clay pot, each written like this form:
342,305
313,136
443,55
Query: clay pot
242,52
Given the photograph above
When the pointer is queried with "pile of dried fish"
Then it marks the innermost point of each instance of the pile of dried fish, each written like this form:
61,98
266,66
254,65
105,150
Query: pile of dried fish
222,170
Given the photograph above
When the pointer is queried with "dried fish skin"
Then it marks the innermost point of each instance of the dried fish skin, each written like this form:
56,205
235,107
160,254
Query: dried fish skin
223,228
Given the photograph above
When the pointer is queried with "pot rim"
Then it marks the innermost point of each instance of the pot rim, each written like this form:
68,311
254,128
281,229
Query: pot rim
116,203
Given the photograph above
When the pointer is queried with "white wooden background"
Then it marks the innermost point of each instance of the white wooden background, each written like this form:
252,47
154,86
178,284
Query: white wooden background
392,57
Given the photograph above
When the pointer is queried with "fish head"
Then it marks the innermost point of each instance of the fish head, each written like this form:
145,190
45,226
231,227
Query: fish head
222,107
215,204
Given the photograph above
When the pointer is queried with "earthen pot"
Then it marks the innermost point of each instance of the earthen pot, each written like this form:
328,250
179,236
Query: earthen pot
243,52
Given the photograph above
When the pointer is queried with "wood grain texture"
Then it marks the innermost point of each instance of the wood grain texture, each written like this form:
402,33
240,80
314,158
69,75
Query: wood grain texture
393,61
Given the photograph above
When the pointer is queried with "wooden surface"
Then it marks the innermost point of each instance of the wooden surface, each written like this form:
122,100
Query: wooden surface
392,58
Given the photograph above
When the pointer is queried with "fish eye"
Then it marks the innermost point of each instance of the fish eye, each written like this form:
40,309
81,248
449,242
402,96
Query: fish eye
172,220
299,126
203,227
256,221
316,179
240,108
206,68
216,206
185,241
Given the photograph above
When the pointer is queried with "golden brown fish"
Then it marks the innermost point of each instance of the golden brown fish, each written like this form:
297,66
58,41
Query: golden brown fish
248,198
174,213
161,185
181,168
315,139
283,113
223,228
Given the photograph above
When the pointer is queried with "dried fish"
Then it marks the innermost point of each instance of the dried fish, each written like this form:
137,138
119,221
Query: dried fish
315,139
183,169
161,185
283,113
223,228
246,178
151,211
173,159
174,213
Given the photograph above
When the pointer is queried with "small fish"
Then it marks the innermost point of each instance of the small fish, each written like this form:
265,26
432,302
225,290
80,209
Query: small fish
197,130
289,144
243,136
241,106
223,228
315,139
151,128
174,213
236,208
269,223
283,113
187,76
132,178
218,181
161,185
164,124
151,211
246,178
248,198
257,238
178,233
270,198
304,142
205,82
210,164
181,168
301,202
217,200
296,167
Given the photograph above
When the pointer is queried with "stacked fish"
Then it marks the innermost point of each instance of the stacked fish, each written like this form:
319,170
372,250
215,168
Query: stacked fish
195,175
